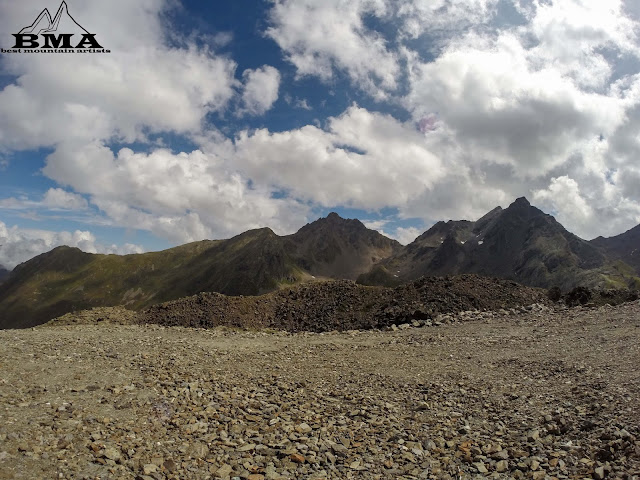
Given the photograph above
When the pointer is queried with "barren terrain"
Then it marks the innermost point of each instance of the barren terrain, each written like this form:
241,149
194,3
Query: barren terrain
530,394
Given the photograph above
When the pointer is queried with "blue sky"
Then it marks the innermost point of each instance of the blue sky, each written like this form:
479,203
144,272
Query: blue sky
211,118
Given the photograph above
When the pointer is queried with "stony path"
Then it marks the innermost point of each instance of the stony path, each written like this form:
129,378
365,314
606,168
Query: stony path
528,396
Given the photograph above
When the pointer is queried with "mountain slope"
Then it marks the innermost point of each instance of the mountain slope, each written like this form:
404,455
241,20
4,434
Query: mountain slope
67,279
337,248
624,247
4,274
519,243
251,263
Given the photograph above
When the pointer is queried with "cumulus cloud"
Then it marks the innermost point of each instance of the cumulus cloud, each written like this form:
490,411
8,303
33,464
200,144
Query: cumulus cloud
59,198
588,214
319,37
146,84
260,89
54,199
362,159
18,245
503,109
406,235
546,106
181,197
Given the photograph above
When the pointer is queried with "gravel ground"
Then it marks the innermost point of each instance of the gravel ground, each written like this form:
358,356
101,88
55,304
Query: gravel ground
539,394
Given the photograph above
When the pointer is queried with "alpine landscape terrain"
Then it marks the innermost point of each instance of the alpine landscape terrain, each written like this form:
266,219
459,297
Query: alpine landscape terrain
320,240
260,357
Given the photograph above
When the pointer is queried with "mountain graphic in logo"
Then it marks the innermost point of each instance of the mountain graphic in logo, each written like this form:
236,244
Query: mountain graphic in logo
63,22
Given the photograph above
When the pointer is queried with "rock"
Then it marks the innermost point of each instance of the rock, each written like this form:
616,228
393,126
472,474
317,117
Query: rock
224,471
501,455
304,428
198,450
480,467
297,458
112,454
149,468
599,473
502,466
170,465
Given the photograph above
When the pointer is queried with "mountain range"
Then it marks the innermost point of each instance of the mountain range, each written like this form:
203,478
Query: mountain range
519,243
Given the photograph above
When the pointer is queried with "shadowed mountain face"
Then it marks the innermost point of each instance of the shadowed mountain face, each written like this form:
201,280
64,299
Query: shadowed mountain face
4,274
519,243
252,263
624,247
337,248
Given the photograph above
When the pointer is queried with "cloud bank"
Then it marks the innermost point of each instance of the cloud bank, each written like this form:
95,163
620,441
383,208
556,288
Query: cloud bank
470,104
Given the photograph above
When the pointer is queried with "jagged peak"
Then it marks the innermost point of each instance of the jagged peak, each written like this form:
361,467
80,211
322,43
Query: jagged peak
335,219
521,201
260,231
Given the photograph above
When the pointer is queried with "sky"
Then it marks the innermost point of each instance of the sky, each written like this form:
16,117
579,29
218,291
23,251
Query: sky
207,118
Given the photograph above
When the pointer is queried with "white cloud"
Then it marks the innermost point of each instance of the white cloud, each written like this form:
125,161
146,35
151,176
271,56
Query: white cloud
362,159
442,18
573,36
143,86
18,245
58,198
260,89
406,235
183,197
588,213
303,104
564,191
54,199
503,109
318,37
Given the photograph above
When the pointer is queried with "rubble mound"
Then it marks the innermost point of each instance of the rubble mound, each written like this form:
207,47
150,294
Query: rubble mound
345,305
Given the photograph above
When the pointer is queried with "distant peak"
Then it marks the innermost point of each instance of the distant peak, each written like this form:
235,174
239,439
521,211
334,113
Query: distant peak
522,201
334,216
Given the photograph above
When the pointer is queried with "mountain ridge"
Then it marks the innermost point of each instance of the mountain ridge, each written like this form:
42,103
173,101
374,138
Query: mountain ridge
251,263
520,243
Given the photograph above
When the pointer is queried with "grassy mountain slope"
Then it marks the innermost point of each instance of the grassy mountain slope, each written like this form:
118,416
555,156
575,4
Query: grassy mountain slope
67,279
624,247
251,263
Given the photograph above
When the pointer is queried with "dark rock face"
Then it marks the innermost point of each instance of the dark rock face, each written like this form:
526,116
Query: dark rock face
338,248
520,243
624,247
4,274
